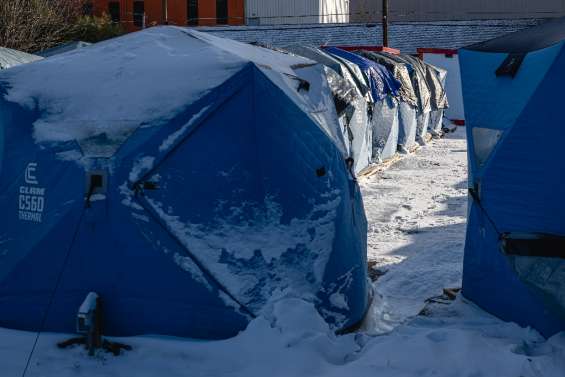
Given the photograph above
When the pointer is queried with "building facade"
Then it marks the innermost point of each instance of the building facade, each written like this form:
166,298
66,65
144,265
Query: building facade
455,10
137,14
293,12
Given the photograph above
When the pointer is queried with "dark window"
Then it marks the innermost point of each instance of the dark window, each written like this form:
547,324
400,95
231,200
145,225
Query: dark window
221,12
114,11
138,13
192,12
88,8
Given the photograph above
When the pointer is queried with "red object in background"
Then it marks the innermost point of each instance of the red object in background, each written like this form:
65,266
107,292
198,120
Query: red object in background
370,48
177,12
449,53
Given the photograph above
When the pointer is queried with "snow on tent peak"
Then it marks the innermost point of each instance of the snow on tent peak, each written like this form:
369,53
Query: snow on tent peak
212,181
514,262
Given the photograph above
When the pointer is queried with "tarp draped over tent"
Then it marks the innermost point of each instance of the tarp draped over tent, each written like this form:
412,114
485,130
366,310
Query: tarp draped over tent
407,96
514,254
440,104
400,71
11,58
422,81
384,87
203,179
381,82
352,103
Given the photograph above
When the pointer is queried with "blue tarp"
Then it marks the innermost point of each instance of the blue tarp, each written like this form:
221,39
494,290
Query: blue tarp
202,179
515,248
381,81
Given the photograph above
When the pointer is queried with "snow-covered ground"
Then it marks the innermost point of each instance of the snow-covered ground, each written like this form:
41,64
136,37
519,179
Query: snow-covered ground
416,211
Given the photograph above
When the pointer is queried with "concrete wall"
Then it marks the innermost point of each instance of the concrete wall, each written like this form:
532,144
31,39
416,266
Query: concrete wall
436,10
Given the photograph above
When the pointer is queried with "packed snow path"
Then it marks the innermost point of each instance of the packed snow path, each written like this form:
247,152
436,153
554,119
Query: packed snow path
416,213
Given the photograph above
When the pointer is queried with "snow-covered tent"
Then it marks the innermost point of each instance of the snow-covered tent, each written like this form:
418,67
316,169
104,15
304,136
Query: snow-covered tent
384,88
352,104
10,58
515,249
407,98
199,181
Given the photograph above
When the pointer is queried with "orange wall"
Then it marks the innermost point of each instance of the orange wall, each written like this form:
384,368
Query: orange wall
176,12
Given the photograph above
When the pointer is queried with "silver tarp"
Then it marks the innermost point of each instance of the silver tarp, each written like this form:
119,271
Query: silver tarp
400,71
406,126
353,103
10,58
436,117
418,77
385,129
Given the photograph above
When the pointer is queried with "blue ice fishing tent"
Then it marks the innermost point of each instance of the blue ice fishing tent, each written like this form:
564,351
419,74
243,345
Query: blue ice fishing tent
384,87
515,249
188,180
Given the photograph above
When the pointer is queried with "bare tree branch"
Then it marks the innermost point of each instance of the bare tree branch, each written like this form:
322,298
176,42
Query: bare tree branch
32,25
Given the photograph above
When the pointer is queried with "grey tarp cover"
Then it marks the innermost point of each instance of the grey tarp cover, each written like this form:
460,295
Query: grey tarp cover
425,93
358,76
418,76
385,129
407,113
11,58
352,110
351,101
400,72
437,87
407,126
436,117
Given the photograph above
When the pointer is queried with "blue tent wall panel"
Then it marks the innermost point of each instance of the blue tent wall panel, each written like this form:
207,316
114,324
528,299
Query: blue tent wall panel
313,152
490,282
496,103
524,182
521,186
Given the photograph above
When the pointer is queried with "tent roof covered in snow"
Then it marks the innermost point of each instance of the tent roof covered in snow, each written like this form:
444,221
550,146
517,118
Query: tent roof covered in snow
11,58
201,180
515,249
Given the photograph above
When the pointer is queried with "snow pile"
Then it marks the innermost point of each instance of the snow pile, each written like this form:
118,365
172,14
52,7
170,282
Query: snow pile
293,340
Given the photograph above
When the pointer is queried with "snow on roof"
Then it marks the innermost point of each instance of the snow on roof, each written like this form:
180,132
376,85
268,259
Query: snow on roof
10,58
138,79
406,36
